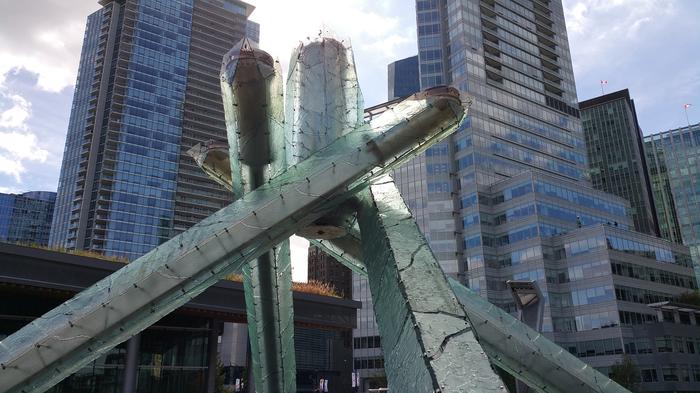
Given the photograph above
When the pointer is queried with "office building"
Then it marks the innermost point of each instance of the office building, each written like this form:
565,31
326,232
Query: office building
147,90
508,195
661,190
616,154
323,268
368,357
673,158
598,276
403,78
26,218
513,60
185,351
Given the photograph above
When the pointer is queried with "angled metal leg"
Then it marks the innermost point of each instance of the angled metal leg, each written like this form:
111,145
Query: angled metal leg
268,289
347,250
510,344
429,344
63,340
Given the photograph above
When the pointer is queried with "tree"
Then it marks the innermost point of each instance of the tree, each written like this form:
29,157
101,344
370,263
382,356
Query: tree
690,298
220,378
625,373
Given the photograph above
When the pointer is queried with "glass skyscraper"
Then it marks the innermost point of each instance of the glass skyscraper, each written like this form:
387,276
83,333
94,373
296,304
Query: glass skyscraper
616,154
26,218
147,91
512,59
673,158
404,79
508,196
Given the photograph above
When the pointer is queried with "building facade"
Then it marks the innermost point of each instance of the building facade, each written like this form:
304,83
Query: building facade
597,274
324,268
403,78
674,165
661,190
26,218
147,91
616,154
512,60
188,351
508,196
368,357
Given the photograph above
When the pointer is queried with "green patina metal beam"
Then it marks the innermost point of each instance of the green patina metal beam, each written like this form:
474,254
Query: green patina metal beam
347,250
75,333
520,351
527,354
251,85
428,341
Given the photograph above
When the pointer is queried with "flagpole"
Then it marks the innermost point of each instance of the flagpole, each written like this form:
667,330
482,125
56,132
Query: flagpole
685,108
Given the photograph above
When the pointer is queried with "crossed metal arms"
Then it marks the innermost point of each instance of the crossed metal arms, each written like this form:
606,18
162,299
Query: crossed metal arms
435,333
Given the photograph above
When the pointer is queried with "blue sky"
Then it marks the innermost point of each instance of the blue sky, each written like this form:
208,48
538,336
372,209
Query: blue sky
651,47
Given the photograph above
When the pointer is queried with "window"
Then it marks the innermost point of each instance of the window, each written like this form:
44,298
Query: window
684,317
664,344
367,342
649,375
670,374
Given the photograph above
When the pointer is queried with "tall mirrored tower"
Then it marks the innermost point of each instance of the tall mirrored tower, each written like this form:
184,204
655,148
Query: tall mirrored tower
147,91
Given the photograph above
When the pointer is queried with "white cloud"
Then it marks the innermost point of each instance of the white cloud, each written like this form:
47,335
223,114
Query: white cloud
17,115
599,28
17,142
10,190
646,46
10,166
45,40
22,145
636,25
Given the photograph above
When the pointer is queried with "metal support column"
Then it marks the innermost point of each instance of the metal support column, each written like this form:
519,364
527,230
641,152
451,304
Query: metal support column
131,366
251,84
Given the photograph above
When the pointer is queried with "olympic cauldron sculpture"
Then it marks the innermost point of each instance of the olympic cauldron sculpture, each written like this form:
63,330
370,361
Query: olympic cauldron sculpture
308,164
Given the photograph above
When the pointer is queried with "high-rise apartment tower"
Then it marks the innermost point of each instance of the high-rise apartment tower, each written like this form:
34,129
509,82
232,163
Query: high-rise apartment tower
147,90
512,58
507,197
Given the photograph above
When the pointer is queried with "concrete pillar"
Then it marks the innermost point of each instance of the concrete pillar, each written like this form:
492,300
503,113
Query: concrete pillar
660,315
212,355
131,366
